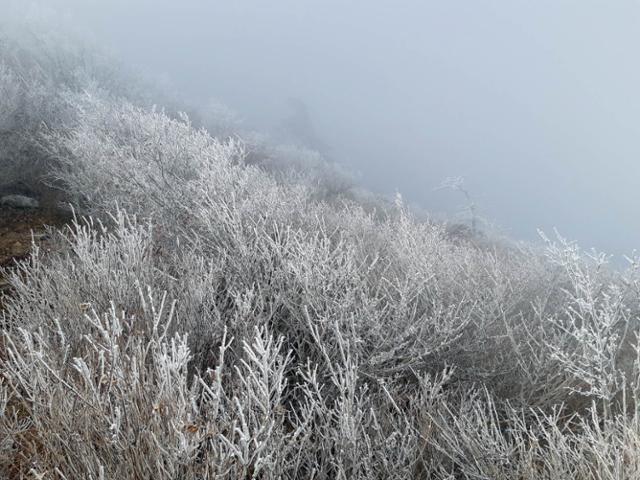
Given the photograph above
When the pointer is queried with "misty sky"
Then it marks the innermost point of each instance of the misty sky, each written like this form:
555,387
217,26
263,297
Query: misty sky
535,103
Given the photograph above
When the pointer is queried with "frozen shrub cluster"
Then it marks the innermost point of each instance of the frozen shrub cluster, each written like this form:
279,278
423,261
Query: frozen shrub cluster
38,67
294,164
204,317
10,95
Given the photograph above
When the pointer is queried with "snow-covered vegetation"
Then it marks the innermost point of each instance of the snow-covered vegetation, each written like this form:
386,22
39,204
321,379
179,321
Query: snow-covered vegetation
208,316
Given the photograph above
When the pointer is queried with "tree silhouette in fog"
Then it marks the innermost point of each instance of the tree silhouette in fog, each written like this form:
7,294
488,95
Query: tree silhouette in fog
299,128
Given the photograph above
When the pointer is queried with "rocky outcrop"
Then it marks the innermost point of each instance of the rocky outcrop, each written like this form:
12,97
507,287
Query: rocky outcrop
19,201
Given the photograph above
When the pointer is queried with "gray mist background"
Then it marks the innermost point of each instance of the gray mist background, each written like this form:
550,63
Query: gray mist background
535,103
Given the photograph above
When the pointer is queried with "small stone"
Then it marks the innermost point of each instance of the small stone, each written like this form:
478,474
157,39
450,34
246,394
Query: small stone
19,201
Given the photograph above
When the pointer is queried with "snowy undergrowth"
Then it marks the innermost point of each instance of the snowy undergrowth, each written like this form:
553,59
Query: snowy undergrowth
203,318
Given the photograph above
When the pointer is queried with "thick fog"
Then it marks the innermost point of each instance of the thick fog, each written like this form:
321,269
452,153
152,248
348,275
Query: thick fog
535,104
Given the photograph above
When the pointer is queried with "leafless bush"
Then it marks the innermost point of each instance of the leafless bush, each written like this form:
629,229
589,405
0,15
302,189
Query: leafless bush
38,67
295,164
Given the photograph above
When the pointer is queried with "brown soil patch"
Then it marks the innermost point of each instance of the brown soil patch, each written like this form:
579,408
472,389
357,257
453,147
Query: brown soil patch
18,228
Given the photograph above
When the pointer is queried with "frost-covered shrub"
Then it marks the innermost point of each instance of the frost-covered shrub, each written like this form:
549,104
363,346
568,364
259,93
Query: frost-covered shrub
9,96
23,106
259,233
38,68
295,164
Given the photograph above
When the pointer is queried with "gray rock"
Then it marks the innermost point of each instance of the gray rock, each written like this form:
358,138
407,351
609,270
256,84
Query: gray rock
19,201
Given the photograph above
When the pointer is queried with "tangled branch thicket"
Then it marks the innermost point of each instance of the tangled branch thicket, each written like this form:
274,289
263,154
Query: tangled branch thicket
203,318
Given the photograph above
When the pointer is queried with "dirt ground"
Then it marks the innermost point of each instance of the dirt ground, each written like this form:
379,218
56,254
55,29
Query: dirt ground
17,229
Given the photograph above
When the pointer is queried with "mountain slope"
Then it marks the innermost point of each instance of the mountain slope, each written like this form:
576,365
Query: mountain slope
206,315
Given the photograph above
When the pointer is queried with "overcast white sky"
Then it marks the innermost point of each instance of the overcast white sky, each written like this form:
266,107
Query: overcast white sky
535,103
